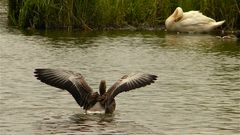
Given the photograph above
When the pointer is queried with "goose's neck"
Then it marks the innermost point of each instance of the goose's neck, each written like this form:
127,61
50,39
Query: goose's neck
102,87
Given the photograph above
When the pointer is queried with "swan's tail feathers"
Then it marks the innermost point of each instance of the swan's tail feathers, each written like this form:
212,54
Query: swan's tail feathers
217,24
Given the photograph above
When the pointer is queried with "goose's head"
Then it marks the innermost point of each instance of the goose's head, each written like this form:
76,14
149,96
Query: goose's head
174,17
102,87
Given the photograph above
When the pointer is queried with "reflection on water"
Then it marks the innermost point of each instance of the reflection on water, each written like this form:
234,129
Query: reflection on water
76,123
89,124
197,91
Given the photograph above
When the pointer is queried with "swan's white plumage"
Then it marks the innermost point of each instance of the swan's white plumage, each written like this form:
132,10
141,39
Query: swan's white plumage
192,21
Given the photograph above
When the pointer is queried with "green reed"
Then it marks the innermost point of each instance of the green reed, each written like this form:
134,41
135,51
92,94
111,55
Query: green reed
102,14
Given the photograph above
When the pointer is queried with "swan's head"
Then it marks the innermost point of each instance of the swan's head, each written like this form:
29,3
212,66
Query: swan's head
102,87
174,17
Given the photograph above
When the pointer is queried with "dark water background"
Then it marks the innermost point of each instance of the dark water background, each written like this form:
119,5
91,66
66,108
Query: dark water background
197,92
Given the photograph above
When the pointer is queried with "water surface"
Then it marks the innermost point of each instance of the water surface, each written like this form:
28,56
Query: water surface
197,92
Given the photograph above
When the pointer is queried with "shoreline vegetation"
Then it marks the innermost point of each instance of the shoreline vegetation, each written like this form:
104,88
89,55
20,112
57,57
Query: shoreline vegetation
88,15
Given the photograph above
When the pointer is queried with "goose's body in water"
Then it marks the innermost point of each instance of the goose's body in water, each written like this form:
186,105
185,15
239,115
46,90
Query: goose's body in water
92,102
96,109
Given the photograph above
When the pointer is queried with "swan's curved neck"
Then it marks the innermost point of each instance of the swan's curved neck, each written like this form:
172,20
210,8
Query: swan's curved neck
177,14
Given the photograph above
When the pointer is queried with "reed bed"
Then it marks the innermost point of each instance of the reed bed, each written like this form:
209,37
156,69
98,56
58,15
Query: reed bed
104,14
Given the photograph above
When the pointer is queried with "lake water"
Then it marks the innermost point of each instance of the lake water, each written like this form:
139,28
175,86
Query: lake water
197,92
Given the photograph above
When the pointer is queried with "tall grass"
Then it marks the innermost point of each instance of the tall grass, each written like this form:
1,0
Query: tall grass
100,14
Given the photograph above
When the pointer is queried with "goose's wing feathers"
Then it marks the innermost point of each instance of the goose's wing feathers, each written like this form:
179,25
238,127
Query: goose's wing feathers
71,81
130,82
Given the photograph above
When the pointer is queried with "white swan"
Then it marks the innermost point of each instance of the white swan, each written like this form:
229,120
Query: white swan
192,21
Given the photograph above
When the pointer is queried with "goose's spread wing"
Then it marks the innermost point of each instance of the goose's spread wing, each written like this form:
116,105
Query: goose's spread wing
71,81
130,82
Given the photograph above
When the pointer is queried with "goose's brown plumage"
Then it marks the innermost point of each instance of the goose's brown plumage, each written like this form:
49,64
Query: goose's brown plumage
75,84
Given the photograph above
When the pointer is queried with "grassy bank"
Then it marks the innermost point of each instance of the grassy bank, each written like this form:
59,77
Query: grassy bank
102,14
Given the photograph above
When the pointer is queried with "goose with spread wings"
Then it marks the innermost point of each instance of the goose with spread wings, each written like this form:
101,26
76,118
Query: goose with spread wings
86,98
